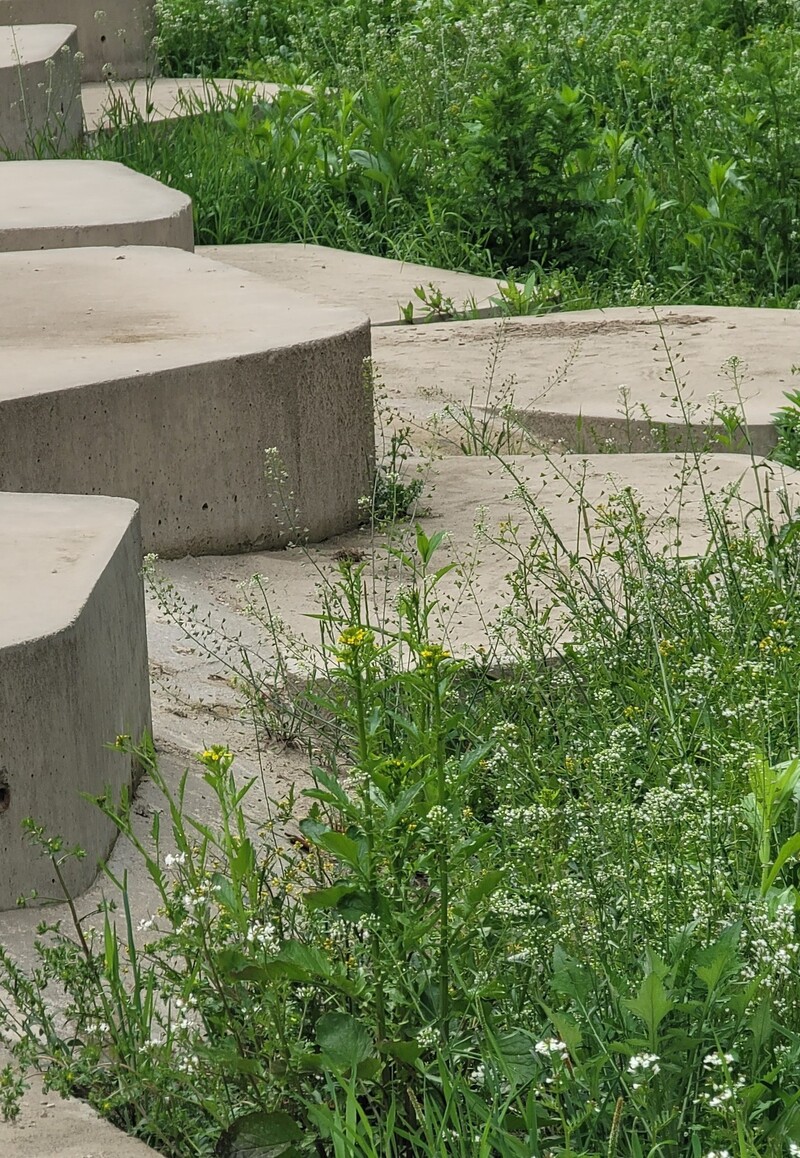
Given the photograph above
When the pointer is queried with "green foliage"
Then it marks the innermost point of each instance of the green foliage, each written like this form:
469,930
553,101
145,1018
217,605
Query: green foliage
649,155
787,426
554,913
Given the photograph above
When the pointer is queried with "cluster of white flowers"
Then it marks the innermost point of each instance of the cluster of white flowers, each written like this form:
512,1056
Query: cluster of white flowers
724,1082
264,936
643,1066
552,1047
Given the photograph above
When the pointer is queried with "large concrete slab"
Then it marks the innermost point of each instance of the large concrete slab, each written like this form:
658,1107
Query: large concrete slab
54,1127
40,98
565,377
377,285
111,103
73,676
62,204
463,493
157,375
115,39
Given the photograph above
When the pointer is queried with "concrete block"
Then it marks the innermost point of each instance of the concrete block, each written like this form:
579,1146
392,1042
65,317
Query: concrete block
40,96
377,285
116,38
463,493
73,676
163,99
625,380
153,374
62,204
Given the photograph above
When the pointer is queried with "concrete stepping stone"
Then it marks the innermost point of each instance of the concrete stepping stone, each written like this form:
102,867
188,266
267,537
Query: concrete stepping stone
73,676
600,379
377,285
107,104
62,204
116,38
157,375
40,97
53,1127
462,493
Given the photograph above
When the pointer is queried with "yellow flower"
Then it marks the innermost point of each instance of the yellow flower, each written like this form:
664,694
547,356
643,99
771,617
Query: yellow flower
433,654
355,637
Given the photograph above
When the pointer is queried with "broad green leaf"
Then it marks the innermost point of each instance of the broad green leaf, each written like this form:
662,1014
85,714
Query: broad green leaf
651,1003
328,898
719,959
404,1051
260,1135
484,887
344,847
344,1040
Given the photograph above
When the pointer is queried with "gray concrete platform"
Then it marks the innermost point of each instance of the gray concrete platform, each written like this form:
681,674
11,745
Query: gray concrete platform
163,99
564,377
116,38
377,285
62,204
73,676
54,1127
460,493
154,374
40,98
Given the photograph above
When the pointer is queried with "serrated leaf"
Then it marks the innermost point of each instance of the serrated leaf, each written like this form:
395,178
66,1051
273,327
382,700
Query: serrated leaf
651,1003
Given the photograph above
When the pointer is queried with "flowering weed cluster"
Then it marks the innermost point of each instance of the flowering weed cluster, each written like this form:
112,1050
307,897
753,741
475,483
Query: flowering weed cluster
542,915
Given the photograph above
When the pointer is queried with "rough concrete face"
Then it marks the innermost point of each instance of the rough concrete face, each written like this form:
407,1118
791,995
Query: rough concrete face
157,375
116,38
40,96
163,99
62,204
73,676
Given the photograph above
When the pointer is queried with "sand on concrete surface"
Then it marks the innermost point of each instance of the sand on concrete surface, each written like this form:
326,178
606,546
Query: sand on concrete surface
566,377
53,1127
464,493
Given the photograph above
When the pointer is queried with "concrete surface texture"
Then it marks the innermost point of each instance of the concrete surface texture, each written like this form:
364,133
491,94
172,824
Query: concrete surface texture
163,99
566,377
62,204
40,97
462,493
73,676
153,374
52,1127
377,285
116,39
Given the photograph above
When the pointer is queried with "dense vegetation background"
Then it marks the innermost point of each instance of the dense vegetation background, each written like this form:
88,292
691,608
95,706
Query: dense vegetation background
633,150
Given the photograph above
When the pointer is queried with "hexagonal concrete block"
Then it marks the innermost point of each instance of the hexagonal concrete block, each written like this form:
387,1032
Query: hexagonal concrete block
380,286
626,380
62,204
160,376
164,99
73,676
115,37
40,95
